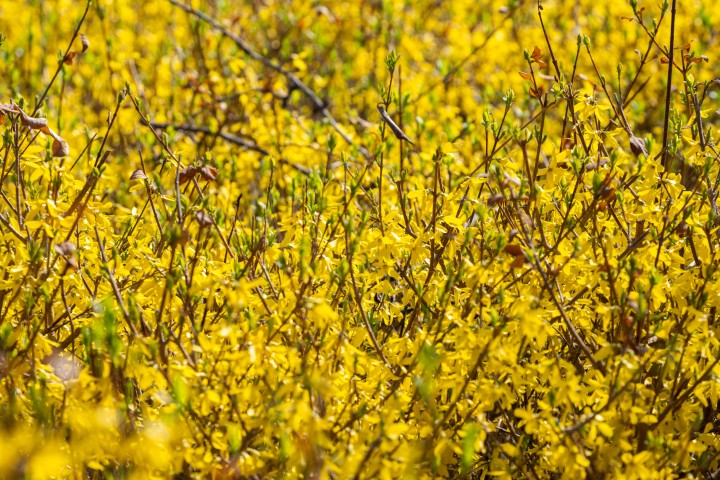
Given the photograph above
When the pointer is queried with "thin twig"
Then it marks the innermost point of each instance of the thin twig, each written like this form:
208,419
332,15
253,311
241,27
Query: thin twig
61,62
113,283
668,89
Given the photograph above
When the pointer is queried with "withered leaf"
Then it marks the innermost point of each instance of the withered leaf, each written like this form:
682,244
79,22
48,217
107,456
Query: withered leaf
138,175
525,75
526,220
511,179
518,262
65,248
72,261
68,60
188,173
208,173
607,192
184,237
33,122
60,147
592,166
638,146
85,42
513,249
497,198
536,54
683,229
203,219
399,134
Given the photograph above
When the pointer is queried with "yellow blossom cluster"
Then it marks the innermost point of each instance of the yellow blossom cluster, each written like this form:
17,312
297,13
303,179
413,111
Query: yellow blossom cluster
359,239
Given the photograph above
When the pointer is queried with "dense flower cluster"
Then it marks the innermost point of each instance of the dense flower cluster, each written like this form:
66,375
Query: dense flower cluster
358,239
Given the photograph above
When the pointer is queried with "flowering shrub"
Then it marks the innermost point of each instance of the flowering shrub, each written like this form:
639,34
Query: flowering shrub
358,240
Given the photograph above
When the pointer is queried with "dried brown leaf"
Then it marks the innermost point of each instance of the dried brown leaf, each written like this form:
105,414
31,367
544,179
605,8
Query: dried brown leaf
33,122
208,173
592,166
203,219
138,175
65,248
525,75
184,237
85,42
526,220
513,249
72,261
683,229
518,262
536,54
638,146
633,305
188,173
511,179
607,192
495,199
60,147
